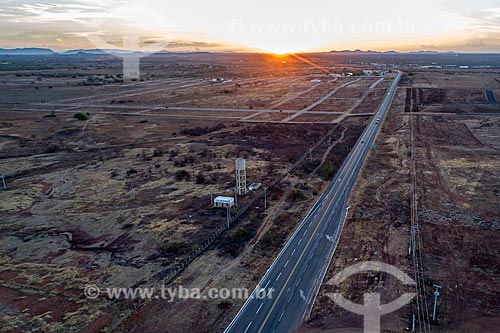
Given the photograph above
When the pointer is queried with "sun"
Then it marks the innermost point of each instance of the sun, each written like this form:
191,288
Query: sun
282,50
279,45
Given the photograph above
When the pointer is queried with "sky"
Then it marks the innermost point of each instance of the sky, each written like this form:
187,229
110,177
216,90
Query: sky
254,25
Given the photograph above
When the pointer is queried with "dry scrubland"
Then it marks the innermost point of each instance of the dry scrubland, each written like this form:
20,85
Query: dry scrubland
457,184
122,196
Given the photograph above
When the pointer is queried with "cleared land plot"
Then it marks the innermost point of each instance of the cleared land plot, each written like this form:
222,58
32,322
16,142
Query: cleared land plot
370,102
336,104
451,96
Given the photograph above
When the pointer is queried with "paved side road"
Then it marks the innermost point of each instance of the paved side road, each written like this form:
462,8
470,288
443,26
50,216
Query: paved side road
297,272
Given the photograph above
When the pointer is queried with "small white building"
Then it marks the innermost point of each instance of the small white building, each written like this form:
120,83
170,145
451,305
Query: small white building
223,202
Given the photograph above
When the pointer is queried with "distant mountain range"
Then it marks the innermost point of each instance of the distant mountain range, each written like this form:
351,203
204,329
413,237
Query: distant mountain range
27,51
389,52
35,51
98,51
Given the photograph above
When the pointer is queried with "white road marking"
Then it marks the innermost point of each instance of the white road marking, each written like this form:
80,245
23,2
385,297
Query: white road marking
330,238
266,284
247,327
293,252
259,308
278,276
286,263
282,315
300,241
305,232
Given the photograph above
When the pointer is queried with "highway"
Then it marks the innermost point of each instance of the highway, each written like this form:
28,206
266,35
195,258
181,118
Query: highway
296,274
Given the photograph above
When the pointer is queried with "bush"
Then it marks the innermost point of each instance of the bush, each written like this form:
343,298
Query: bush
326,170
80,116
157,153
182,175
131,172
241,233
200,178
269,237
51,115
297,195
171,248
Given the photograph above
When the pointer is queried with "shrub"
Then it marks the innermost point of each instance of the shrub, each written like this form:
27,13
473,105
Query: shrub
131,172
51,115
241,233
182,175
200,178
326,170
297,195
80,116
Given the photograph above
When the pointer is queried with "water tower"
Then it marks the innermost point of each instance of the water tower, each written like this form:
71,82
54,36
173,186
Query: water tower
241,176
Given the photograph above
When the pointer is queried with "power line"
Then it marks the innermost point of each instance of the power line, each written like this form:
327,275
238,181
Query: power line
416,242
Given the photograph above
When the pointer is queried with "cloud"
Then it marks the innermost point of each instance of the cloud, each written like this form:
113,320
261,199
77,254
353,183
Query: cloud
487,42
481,15
197,24
193,44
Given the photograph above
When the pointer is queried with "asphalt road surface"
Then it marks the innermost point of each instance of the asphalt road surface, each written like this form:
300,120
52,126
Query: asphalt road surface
286,293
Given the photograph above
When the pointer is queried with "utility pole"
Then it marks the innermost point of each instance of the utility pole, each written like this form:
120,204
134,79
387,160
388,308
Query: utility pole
413,323
436,295
62,186
211,198
4,183
265,197
413,247
412,234
236,196
228,215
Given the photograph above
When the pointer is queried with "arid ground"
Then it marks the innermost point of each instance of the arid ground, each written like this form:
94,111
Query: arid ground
121,197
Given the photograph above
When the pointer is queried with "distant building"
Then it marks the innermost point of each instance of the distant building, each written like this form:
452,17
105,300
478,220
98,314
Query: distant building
431,67
223,202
